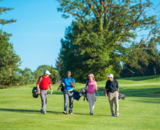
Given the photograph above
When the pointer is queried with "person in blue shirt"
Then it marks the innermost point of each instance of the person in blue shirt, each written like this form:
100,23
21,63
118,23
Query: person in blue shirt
68,82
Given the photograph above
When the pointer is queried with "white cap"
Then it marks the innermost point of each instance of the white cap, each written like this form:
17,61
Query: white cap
110,75
47,72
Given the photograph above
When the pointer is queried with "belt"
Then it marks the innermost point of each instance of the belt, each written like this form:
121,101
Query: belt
43,89
69,90
113,92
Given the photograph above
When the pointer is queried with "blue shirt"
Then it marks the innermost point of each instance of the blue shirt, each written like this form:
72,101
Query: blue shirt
67,81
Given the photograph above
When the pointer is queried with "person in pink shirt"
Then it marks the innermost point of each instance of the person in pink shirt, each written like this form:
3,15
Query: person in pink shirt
92,86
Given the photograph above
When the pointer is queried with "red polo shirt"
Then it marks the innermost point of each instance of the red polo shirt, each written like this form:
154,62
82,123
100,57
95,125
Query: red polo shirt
45,82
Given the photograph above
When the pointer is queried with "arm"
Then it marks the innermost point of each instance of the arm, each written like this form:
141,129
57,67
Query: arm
73,83
106,89
118,90
117,87
38,89
50,86
86,85
96,87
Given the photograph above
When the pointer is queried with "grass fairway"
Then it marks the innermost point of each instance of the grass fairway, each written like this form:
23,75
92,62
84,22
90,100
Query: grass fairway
140,110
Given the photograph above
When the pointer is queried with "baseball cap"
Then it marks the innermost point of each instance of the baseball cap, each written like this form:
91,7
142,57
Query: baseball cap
110,75
91,75
47,72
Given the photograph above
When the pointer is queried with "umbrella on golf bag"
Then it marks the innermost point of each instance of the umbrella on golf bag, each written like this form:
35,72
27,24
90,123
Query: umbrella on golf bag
34,92
120,95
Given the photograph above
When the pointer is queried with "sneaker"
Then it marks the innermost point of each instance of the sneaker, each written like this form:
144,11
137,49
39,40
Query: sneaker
70,113
44,113
113,115
91,113
64,112
117,115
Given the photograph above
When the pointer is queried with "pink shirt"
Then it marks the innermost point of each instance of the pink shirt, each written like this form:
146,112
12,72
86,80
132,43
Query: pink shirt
91,86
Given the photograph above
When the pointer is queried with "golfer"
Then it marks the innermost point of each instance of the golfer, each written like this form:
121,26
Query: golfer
42,87
113,90
92,86
69,83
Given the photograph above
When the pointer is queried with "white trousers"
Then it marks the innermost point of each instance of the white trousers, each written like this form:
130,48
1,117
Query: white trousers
91,100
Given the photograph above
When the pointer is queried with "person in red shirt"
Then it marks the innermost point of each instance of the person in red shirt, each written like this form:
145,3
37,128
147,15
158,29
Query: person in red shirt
42,87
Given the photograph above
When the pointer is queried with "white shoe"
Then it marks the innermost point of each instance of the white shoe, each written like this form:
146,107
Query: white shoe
64,112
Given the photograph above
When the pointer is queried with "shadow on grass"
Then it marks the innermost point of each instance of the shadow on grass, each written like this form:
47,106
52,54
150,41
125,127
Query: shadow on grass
145,92
140,78
151,100
38,112
142,92
27,111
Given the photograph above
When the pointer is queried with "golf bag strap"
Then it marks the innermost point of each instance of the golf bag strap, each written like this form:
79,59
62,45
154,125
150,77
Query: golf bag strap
86,84
62,88
40,80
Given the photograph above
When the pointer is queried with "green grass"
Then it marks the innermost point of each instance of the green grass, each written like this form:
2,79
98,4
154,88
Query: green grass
140,110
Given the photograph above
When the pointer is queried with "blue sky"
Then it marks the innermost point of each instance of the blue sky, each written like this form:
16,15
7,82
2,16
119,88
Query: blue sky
38,30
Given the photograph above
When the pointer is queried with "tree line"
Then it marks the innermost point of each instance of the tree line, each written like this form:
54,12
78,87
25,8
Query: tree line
101,39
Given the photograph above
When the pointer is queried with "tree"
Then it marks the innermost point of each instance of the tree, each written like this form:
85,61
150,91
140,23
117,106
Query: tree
54,73
9,61
104,32
27,76
4,21
145,69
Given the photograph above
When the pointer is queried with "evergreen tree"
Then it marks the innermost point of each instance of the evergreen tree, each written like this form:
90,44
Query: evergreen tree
4,21
9,60
103,35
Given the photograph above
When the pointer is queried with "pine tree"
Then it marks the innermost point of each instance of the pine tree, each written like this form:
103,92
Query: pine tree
9,60
4,21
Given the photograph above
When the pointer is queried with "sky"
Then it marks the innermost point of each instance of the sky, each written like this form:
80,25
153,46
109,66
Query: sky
38,30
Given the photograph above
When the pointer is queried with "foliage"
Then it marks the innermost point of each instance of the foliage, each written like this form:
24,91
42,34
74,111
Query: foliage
103,34
9,61
4,21
144,70
54,73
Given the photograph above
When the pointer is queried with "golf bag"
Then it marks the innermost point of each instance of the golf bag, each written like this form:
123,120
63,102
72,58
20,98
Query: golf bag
34,92
120,95
76,95
85,93
62,87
